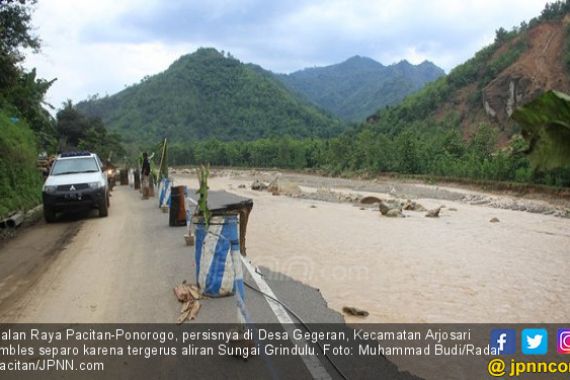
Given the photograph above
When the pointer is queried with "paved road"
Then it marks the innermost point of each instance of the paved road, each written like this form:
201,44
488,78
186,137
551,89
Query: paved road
121,269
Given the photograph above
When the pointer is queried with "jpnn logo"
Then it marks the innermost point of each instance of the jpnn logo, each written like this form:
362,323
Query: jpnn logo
534,341
563,343
504,341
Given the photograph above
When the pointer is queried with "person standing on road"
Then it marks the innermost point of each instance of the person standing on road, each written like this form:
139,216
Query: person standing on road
145,173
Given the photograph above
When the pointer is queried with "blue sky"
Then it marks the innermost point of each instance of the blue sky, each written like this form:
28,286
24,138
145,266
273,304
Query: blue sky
99,46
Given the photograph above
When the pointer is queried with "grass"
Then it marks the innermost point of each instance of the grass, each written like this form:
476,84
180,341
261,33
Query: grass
20,180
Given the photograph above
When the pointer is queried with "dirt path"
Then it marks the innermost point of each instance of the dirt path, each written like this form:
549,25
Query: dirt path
111,271
457,268
26,258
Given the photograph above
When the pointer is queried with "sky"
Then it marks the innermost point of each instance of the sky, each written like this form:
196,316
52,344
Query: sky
101,46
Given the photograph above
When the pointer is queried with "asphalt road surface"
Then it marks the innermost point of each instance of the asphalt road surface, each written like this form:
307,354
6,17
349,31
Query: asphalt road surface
122,269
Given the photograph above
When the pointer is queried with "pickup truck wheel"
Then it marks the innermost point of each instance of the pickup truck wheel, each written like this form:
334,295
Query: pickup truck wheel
104,208
49,214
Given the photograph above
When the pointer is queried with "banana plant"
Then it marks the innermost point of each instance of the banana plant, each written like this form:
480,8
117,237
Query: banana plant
545,124
203,173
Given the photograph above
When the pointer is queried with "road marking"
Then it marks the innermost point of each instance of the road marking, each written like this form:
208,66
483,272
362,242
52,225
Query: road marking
313,364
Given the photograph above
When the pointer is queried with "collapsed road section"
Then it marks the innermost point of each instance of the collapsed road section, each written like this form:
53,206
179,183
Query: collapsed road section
122,269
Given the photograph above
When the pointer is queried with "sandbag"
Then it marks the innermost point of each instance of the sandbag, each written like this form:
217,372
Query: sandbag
164,193
217,254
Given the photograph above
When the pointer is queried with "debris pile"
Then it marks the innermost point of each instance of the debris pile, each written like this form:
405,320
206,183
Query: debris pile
282,187
188,295
394,207
277,187
327,195
507,203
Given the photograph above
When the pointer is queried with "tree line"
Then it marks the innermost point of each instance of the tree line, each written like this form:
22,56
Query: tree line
26,126
78,131
441,152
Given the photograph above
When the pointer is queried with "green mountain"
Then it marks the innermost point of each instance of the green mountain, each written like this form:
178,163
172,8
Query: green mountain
517,67
209,95
357,87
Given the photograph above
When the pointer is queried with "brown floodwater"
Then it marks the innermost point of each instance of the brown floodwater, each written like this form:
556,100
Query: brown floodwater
459,267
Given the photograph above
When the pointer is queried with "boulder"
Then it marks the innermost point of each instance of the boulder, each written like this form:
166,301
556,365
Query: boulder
283,187
434,213
383,208
274,184
258,185
370,200
355,311
386,206
410,205
394,213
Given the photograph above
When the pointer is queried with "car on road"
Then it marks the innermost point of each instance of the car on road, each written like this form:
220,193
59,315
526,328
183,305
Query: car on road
76,181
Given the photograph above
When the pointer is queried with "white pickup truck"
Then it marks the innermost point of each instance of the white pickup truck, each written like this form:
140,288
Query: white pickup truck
76,180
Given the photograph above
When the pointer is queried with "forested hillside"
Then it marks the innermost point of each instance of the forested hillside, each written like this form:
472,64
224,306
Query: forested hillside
517,67
209,95
458,126
359,86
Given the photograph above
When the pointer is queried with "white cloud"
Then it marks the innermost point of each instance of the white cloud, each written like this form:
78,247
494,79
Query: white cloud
101,68
84,69
101,45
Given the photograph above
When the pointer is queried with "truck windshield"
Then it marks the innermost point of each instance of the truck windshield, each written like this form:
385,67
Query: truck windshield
75,165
